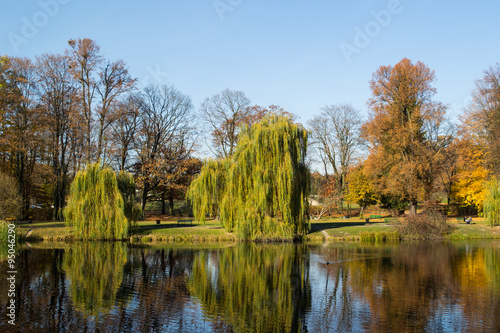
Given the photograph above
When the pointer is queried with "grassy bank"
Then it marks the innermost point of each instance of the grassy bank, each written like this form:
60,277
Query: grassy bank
328,229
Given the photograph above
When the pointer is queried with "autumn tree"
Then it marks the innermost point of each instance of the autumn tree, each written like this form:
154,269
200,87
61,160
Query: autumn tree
336,141
21,125
359,189
479,146
176,182
10,200
224,113
402,109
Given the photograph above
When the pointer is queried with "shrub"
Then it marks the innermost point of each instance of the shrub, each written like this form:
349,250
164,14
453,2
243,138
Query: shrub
431,223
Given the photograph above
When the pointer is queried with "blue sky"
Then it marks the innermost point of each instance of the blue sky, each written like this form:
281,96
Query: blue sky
286,53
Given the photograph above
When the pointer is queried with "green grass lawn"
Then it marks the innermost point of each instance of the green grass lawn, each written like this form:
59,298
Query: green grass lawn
478,229
345,229
172,231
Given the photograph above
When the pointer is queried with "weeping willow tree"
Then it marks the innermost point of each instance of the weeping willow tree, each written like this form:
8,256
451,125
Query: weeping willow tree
254,288
491,204
207,190
126,186
95,207
262,190
95,272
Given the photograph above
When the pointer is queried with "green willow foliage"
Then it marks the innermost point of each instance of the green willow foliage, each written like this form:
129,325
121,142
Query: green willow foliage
4,232
255,288
95,207
262,190
491,205
126,186
95,272
207,190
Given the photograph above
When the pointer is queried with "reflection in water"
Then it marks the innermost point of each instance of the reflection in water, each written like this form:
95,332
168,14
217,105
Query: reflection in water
427,286
409,287
95,272
253,288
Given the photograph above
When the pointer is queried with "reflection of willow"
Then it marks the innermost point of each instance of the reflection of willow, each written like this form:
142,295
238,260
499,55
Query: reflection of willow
254,287
95,271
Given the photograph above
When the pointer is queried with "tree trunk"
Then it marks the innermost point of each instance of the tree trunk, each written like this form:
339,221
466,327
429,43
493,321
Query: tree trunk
413,207
144,199
163,208
171,201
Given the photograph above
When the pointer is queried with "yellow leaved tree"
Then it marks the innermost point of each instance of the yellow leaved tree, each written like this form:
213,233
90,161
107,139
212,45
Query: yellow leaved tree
359,189
468,188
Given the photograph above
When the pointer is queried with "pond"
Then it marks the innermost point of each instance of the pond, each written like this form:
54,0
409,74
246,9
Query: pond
331,287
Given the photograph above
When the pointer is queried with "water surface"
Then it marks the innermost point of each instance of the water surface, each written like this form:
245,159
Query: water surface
422,286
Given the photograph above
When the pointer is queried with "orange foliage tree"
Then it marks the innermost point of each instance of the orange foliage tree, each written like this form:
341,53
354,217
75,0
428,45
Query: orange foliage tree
402,153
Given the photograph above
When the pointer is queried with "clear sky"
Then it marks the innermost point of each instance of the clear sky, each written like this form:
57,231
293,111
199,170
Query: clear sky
301,55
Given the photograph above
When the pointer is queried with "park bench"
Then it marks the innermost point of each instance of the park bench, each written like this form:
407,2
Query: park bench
390,220
184,221
375,216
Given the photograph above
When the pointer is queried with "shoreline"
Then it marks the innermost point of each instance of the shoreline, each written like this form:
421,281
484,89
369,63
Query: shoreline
326,230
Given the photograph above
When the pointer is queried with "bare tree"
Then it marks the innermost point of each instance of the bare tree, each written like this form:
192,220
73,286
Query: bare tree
114,81
125,128
98,78
224,113
84,60
58,98
165,113
336,140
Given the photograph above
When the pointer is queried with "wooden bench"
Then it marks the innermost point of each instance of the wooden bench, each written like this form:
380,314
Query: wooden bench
184,221
375,216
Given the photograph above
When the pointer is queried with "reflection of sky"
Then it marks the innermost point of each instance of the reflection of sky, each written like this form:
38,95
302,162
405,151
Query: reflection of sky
332,311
